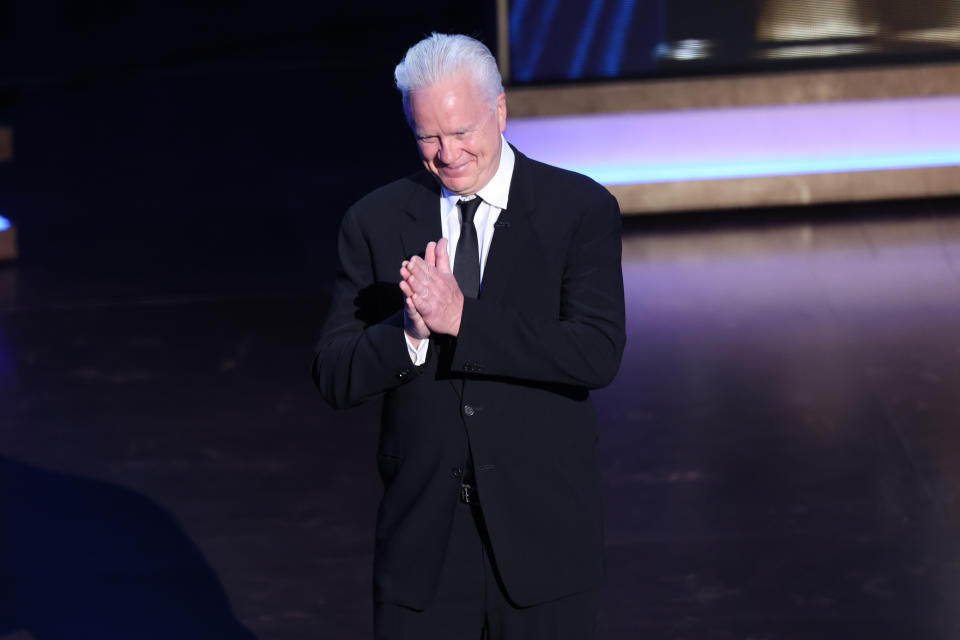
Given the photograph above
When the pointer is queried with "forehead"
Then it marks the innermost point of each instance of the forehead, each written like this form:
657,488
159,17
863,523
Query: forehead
454,101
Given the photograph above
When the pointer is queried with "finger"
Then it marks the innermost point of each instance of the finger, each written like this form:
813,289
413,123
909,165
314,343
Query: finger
417,266
412,311
443,258
430,254
422,275
418,284
405,287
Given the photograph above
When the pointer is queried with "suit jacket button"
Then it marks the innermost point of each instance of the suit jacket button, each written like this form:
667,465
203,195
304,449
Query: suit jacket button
402,374
467,409
457,472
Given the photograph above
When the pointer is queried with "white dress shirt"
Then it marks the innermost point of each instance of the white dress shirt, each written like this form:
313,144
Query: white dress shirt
494,195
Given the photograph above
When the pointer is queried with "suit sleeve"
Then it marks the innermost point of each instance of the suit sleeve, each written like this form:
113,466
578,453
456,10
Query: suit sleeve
584,344
361,352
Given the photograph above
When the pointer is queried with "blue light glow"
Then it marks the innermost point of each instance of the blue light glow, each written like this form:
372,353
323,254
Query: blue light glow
4,224
585,41
618,39
747,142
638,174
517,10
525,71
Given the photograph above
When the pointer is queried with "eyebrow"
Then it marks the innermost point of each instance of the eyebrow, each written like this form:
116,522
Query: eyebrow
464,129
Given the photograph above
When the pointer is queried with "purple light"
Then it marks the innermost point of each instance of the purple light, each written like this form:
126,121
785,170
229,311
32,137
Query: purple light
4,224
736,142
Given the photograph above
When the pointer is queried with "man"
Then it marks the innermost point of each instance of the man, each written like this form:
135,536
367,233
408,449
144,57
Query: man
509,309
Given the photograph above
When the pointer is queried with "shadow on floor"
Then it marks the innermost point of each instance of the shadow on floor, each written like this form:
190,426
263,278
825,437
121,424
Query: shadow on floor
85,559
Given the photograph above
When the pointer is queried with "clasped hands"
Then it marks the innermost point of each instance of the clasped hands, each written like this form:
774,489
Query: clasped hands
434,303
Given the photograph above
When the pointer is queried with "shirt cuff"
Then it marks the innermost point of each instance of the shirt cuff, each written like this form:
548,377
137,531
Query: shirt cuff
417,354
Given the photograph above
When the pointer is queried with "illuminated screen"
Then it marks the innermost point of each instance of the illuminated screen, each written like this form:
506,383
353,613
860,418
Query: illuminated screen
553,41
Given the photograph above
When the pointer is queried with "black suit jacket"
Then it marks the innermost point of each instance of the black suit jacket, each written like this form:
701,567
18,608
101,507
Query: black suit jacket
547,326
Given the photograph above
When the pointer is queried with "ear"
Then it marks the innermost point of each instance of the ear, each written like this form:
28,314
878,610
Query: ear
502,112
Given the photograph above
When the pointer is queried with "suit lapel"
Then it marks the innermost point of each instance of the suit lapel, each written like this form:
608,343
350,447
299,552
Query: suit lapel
512,232
422,225
423,216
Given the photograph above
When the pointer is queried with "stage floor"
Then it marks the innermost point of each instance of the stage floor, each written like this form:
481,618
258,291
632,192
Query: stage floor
781,448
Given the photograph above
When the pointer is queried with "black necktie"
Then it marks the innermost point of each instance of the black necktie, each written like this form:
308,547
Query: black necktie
466,264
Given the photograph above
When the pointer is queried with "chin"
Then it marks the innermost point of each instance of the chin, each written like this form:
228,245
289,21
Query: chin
459,186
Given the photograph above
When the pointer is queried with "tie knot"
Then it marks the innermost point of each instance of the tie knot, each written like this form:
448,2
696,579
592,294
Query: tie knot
468,208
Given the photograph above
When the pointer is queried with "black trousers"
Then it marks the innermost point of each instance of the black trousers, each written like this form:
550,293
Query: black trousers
471,603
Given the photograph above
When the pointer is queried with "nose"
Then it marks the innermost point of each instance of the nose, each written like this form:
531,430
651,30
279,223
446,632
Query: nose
449,151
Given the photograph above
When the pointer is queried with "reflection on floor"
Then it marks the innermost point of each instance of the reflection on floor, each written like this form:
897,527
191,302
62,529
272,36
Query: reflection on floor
781,447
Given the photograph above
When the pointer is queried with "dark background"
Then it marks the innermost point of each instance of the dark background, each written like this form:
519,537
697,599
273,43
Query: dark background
194,144
166,468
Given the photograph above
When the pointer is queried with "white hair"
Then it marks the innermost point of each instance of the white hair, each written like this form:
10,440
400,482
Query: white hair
441,56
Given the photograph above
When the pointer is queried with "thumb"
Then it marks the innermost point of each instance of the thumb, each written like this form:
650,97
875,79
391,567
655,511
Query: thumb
443,258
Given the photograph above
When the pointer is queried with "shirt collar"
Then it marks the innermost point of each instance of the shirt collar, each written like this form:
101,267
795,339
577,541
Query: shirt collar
497,191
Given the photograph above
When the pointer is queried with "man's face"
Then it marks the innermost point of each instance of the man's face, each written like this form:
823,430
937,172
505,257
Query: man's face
457,133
